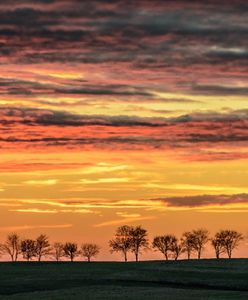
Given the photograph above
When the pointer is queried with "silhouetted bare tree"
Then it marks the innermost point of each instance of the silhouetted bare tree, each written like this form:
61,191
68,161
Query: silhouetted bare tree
139,240
28,249
122,241
200,238
71,250
58,250
12,246
230,240
42,246
187,241
218,244
176,248
164,244
89,251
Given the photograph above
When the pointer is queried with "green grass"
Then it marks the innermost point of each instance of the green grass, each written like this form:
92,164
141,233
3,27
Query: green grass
205,279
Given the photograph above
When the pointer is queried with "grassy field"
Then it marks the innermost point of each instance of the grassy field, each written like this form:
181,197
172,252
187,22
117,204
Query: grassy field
205,279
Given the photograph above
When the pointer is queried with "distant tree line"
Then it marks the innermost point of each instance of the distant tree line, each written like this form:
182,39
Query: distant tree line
135,240
126,239
40,248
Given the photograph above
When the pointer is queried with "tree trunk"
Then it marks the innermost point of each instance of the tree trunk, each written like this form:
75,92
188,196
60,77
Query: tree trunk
88,259
188,254
125,256
136,256
166,256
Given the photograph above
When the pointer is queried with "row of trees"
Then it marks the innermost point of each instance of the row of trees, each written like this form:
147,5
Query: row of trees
39,248
126,239
135,240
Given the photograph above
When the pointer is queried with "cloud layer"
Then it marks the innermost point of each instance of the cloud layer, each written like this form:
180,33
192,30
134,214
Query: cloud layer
204,200
203,135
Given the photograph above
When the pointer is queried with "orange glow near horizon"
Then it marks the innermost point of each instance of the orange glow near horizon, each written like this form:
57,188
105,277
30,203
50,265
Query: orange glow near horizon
95,192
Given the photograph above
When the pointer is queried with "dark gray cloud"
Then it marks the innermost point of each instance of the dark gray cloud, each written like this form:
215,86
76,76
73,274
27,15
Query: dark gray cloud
12,86
220,90
210,120
114,31
204,200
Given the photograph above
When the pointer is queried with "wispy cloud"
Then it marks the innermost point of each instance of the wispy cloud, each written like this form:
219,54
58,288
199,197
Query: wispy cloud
41,182
103,167
124,221
204,200
35,210
104,180
30,227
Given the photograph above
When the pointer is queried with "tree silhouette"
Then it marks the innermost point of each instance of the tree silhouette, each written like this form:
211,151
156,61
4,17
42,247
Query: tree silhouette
164,244
218,244
176,248
122,241
28,249
187,241
200,238
58,250
70,250
139,240
12,246
89,251
42,246
230,240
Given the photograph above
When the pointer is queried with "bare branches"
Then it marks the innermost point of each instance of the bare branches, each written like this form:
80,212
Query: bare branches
71,250
28,249
43,247
128,238
139,240
121,241
58,251
168,245
89,251
225,241
12,246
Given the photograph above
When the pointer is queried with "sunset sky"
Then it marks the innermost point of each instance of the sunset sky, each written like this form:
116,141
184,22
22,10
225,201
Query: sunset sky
123,112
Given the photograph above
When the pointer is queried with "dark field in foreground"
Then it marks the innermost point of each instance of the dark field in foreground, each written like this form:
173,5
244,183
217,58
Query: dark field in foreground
205,279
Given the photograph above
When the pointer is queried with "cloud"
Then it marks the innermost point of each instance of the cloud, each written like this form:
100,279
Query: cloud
204,200
220,90
124,221
196,136
41,182
104,168
143,35
136,59
30,227
128,215
105,180
34,210
85,205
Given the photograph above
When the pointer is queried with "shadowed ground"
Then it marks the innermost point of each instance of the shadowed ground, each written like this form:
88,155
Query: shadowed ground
205,279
